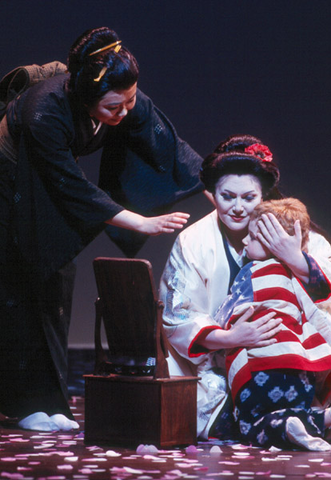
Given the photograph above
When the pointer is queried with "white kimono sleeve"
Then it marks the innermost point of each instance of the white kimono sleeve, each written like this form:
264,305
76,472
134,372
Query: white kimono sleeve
184,293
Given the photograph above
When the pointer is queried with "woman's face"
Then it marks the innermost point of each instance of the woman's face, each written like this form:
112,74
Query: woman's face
236,196
114,106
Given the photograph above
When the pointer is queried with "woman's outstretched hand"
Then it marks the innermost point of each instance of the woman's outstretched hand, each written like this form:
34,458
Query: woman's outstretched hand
150,225
165,223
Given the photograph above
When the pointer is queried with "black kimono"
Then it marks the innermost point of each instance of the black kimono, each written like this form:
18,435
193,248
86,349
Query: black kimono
49,212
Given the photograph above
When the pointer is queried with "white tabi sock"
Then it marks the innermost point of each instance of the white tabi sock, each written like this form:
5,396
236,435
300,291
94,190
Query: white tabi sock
38,421
298,435
63,422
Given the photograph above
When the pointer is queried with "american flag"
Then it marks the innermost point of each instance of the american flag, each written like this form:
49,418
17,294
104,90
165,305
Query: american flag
270,287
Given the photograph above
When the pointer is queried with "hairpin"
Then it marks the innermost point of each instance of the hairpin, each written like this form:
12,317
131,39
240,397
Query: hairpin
101,74
113,46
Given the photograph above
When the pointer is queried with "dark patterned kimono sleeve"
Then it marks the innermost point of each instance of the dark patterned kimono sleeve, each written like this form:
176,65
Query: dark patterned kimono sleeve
57,210
147,168
318,287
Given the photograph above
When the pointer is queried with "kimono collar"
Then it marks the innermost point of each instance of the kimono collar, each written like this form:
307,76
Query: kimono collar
234,267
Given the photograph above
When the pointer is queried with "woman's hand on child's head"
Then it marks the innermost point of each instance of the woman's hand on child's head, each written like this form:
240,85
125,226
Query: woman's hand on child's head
287,248
282,245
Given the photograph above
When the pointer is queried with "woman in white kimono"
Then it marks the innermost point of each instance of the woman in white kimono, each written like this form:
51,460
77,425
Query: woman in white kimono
204,261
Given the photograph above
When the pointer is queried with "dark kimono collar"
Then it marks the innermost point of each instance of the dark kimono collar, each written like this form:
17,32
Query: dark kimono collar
233,265
87,139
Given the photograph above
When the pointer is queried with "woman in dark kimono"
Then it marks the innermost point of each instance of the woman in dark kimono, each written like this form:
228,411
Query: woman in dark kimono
49,211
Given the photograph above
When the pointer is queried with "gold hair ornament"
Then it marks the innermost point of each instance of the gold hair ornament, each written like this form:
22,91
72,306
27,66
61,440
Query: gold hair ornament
113,46
101,74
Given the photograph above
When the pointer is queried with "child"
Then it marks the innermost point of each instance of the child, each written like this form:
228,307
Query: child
273,387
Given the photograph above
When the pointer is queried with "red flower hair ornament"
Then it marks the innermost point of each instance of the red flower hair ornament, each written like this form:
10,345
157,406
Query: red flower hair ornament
260,150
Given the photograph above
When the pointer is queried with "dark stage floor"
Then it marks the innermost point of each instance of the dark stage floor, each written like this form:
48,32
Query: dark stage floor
60,456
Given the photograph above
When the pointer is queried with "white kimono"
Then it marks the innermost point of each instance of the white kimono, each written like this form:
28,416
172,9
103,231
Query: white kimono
194,284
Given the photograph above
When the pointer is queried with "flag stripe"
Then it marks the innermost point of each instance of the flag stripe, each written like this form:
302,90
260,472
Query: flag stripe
269,286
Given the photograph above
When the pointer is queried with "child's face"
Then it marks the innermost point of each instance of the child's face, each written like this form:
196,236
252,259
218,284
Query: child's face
255,250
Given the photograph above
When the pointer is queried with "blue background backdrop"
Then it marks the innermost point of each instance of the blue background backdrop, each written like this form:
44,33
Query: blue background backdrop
215,67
